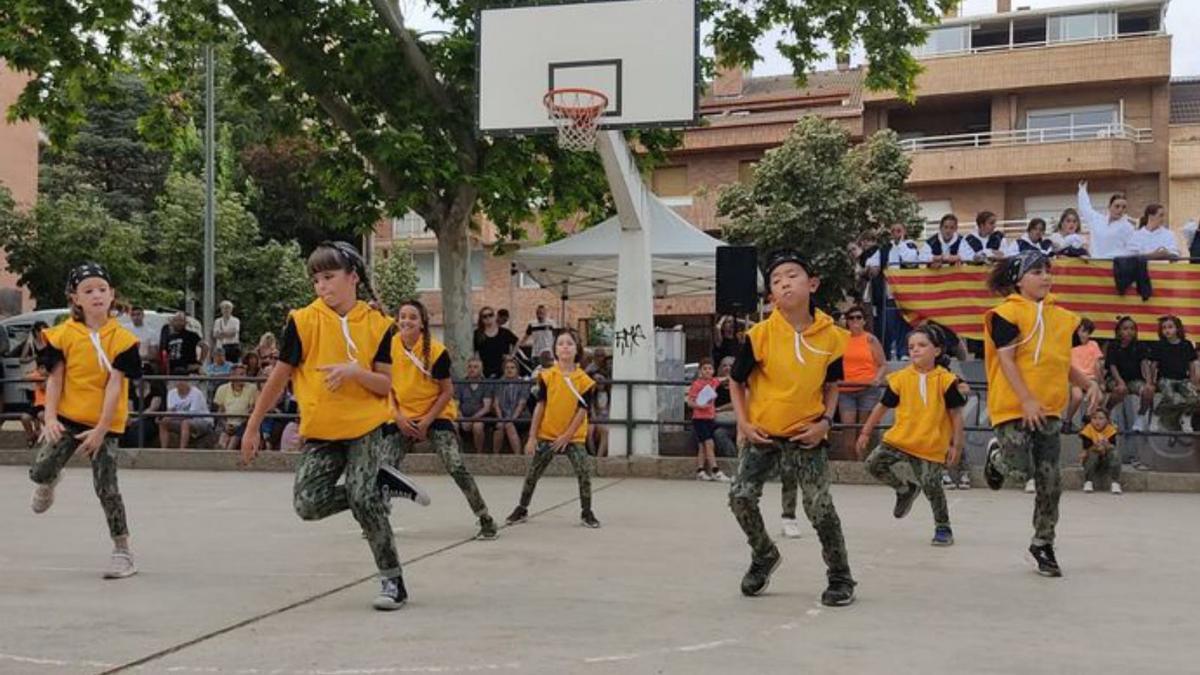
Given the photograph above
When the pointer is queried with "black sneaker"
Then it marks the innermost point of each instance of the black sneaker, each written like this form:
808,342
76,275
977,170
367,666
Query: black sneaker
758,577
904,500
487,529
395,484
839,593
1043,557
518,515
995,479
392,595
589,519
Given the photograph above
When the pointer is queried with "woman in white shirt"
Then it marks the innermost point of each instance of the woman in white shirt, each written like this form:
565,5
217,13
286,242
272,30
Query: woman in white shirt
227,331
1153,239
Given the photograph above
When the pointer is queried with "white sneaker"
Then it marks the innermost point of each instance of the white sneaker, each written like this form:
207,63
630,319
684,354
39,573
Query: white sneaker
701,474
791,528
120,566
719,476
1139,423
1087,486
947,481
964,481
1030,488
1116,488
43,496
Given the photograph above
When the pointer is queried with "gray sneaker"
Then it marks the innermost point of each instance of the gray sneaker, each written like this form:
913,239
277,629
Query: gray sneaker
43,495
120,566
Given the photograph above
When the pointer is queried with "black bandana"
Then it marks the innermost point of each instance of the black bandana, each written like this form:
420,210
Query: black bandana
1025,261
781,256
86,271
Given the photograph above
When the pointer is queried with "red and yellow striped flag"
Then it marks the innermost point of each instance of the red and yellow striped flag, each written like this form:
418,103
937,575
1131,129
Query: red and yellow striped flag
958,296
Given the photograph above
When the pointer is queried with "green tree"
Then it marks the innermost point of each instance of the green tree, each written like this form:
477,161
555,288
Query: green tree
817,193
396,277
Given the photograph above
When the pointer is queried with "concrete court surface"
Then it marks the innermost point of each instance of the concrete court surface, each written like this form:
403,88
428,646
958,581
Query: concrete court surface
233,583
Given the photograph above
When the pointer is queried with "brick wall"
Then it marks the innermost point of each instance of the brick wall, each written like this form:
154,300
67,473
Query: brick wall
18,163
1185,173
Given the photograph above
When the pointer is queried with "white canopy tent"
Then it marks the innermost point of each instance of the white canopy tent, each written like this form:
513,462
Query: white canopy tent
584,265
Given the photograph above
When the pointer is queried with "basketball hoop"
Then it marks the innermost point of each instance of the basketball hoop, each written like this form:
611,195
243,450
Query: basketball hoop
574,112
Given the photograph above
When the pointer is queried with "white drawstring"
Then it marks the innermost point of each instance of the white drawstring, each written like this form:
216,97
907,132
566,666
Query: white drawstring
571,386
924,388
416,362
351,348
801,341
100,355
1039,327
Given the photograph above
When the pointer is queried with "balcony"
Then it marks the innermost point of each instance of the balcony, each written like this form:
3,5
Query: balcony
1026,153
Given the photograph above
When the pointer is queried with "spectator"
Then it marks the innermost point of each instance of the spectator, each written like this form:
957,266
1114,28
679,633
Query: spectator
1153,239
268,349
864,368
273,428
701,398
34,343
1110,231
1175,373
502,318
1087,358
510,401
184,398
219,366
493,342
32,421
227,331
539,334
728,337
252,363
1099,456
889,324
601,372
944,247
148,338
1124,358
986,243
235,397
726,419
1035,239
474,398
149,397
1067,238
182,349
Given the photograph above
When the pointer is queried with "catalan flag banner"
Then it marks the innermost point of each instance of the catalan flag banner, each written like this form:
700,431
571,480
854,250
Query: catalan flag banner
958,296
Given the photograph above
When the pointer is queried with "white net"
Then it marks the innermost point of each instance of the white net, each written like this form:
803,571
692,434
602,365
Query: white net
575,113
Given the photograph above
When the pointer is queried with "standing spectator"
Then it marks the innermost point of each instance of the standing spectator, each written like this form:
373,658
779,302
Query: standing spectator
1175,374
493,342
502,318
474,398
864,368
148,338
944,247
889,324
1153,239
33,420
726,418
725,338
539,334
235,397
182,349
184,398
227,332
268,349
510,400
1089,359
1067,238
1110,231
1035,239
701,398
601,372
1099,456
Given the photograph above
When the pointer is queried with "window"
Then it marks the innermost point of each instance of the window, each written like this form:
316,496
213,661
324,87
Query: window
410,226
1085,26
1050,207
429,270
670,181
526,281
932,212
1072,123
946,40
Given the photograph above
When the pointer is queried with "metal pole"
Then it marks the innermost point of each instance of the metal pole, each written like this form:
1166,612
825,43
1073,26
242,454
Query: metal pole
209,202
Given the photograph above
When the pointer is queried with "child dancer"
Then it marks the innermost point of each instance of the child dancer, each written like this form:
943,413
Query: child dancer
327,353
423,398
559,424
784,392
1099,456
928,406
90,358
1028,340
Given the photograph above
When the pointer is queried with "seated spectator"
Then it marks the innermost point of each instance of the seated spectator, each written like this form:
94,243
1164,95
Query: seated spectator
1175,373
184,398
273,428
217,366
268,349
235,397
511,395
253,364
1099,456
701,396
1087,358
1124,358
1067,238
474,403
146,398
32,421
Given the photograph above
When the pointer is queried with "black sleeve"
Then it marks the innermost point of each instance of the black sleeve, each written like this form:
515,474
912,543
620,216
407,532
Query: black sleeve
1087,442
528,330
953,397
835,371
384,353
743,363
1003,332
129,362
1075,341
49,356
441,367
890,398
291,351
588,397
540,389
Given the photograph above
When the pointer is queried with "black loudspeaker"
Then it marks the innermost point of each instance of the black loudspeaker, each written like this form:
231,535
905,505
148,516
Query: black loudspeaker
737,279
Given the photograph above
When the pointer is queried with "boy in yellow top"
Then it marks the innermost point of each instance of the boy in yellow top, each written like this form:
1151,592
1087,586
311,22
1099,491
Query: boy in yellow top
783,389
559,425
90,358
1027,354
928,401
1099,456
327,352
423,402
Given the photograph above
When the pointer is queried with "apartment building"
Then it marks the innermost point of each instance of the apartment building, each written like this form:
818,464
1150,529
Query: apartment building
18,173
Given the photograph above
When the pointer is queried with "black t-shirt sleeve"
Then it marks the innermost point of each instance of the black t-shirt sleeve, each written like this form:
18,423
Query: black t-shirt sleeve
1075,341
291,351
743,363
441,367
953,397
1087,442
129,362
835,371
1003,332
540,389
49,356
589,397
890,398
383,354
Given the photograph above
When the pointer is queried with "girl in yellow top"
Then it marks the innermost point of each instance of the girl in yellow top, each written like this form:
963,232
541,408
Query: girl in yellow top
1099,456
423,402
328,352
1027,355
90,358
928,401
564,396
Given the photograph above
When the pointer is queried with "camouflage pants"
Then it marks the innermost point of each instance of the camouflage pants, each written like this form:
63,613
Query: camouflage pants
790,481
446,444
810,466
49,460
899,469
317,495
1025,454
1100,465
1178,398
580,461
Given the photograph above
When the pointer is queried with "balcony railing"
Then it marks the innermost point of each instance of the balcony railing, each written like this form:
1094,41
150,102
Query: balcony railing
985,139
1035,44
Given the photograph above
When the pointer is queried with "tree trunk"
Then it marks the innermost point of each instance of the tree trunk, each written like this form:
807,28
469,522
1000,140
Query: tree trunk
454,249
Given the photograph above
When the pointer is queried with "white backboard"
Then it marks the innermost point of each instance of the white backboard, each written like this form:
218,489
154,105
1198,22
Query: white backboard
642,54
